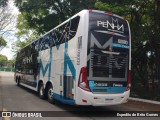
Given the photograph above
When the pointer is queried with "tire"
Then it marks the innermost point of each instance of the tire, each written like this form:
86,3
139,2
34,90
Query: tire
41,91
18,81
50,94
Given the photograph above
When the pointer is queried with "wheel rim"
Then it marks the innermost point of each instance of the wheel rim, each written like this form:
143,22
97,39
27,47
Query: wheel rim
41,90
50,93
17,80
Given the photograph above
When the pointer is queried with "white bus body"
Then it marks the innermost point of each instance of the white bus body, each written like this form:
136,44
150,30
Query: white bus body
86,60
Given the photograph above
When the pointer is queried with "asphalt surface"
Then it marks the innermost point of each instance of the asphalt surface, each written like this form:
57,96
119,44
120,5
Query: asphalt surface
15,98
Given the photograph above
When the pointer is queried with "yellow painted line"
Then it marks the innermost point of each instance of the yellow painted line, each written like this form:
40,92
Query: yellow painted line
6,118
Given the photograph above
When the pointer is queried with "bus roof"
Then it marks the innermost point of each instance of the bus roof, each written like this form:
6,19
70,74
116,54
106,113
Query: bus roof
80,13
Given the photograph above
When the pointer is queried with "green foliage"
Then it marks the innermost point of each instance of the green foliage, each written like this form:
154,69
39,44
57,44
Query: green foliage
25,33
40,16
3,60
24,30
3,43
43,15
18,45
10,63
144,19
120,9
22,25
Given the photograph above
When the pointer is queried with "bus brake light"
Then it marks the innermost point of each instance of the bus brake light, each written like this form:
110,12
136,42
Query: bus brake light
83,83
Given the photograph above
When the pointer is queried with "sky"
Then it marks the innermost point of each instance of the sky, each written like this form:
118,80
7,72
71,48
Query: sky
10,36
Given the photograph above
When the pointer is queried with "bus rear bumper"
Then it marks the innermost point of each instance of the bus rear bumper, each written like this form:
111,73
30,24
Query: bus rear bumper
89,98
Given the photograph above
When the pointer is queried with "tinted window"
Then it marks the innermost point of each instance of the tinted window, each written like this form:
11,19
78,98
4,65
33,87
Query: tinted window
59,35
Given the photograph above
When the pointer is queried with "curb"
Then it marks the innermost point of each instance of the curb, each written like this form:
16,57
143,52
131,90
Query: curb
144,100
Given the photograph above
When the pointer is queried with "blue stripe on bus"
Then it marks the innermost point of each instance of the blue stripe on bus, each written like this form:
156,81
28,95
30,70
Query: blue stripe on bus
117,89
110,89
67,61
105,88
91,85
57,46
44,70
61,99
120,45
50,64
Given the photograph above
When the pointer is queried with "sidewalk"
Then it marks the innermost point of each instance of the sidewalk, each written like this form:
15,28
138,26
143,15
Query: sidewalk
4,74
144,106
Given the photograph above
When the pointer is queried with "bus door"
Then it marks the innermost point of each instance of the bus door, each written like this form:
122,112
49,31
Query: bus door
68,86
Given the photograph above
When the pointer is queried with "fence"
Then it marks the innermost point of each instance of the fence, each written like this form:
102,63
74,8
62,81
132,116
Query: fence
7,69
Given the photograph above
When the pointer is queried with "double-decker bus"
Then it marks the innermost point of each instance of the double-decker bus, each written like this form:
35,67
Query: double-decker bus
86,60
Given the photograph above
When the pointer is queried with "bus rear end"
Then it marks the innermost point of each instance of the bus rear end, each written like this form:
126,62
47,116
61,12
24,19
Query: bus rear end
105,80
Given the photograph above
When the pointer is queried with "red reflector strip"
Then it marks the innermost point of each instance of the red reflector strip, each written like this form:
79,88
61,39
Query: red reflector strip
84,100
95,97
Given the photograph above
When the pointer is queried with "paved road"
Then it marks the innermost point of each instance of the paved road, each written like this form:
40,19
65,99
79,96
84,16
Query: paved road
14,98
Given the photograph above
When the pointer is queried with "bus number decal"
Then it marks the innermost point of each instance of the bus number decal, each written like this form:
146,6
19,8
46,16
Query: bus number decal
79,46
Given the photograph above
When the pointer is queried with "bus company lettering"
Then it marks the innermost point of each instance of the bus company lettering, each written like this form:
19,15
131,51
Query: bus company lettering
100,84
27,59
117,85
123,41
79,46
111,25
78,57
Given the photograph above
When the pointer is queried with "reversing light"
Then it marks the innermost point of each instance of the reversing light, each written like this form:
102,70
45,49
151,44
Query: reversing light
82,82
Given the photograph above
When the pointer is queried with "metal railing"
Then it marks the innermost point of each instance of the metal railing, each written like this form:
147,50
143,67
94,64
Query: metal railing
7,69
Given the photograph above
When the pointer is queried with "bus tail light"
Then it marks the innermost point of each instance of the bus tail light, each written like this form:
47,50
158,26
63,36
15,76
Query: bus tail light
83,83
129,81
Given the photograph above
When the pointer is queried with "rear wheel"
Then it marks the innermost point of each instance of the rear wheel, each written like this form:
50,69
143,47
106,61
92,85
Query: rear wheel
50,94
41,91
18,81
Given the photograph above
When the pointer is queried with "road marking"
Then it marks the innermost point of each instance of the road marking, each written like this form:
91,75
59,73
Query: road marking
6,118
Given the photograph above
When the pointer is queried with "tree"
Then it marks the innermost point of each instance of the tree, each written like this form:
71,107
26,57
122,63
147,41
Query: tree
43,15
6,17
3,60
18,45
40,16
3,43
10,63
144,20
25,34
115,6
24,30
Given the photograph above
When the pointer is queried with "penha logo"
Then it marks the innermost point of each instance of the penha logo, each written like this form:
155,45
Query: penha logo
27,60
111,25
